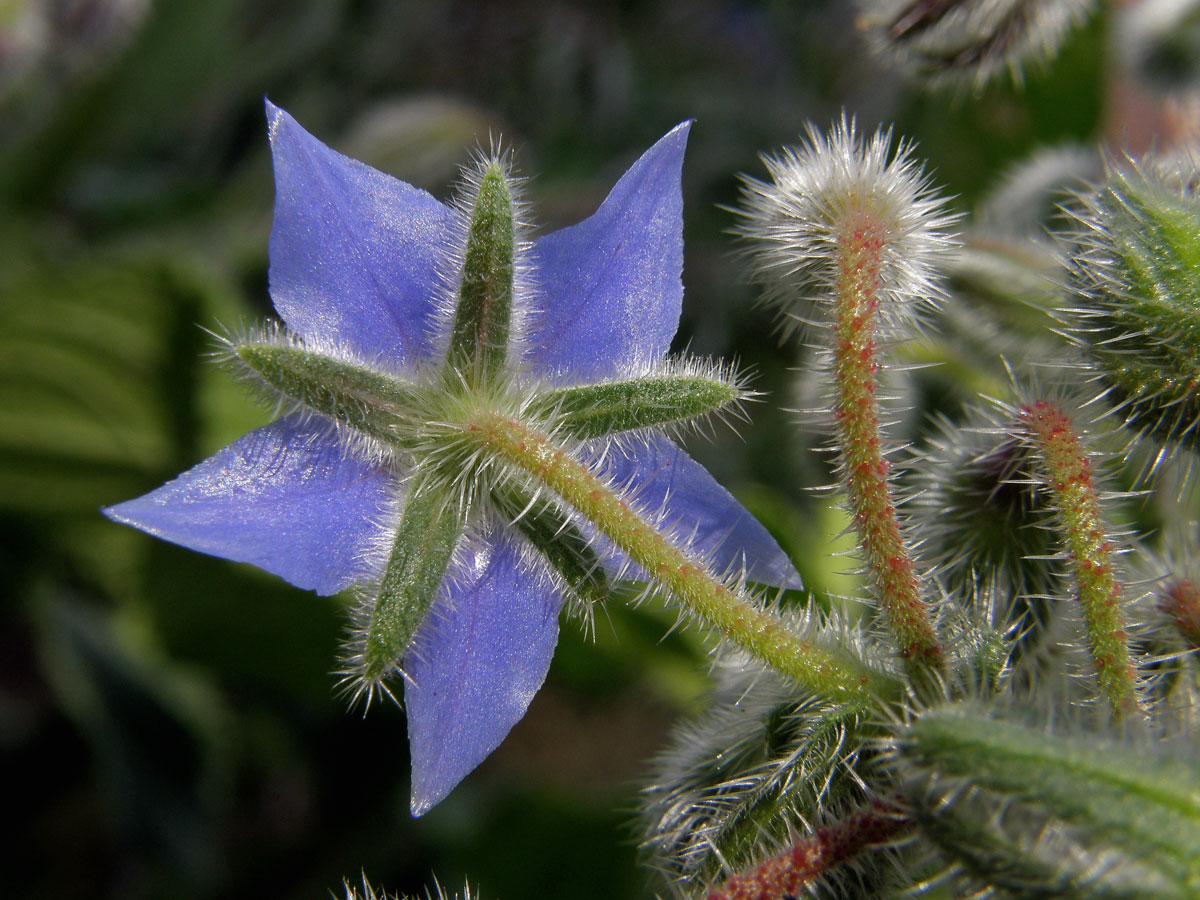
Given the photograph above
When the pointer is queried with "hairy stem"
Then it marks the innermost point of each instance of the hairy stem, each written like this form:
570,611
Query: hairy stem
1067,475
866,468
726,608
812,856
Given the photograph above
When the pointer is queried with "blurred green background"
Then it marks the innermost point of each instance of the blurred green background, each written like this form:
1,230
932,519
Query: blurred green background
168,726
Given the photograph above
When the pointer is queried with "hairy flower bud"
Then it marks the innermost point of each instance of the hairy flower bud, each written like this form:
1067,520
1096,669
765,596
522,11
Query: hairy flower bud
1134,262
972,41
979,516
822,193
767,759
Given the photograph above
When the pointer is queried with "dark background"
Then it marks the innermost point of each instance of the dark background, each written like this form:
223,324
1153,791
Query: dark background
168,726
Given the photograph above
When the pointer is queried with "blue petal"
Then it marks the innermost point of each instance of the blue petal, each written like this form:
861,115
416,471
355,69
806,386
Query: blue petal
611,289
284,497
668,484
354,252
477,661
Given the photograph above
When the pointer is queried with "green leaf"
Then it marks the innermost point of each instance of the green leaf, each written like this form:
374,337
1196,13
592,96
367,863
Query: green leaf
99,368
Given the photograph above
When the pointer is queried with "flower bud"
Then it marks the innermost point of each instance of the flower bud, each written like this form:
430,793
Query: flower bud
973,41
823,194
766,760
1134,263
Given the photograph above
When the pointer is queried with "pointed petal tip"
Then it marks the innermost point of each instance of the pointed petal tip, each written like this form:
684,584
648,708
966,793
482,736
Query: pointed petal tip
676,138
275,115
419,805
355,254
618,290
684,128
673,143
126,513
285,498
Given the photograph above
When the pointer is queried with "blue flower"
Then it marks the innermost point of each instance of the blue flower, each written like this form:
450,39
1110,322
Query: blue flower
365,271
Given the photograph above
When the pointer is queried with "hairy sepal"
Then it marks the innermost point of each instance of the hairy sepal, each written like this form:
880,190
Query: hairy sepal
552,532
351,395
428,531
1088,815
595,410
480,334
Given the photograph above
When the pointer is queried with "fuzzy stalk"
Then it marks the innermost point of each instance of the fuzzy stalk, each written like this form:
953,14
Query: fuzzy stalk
812,856
1066,474
856,410
559,541
726,608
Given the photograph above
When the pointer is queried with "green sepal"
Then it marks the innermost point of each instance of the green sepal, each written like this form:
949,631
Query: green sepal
367,401
1144,334
479,340
732,785
1138,810
558,539
595,410
429,529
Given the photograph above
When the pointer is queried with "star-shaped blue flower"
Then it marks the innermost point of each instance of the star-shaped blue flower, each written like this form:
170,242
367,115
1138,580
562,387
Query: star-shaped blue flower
361,266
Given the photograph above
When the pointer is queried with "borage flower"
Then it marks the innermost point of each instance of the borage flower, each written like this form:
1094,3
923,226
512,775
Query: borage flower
417,339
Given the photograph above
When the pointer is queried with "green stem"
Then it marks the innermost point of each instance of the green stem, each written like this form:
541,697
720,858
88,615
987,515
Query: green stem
727,609
1067,475
866,468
